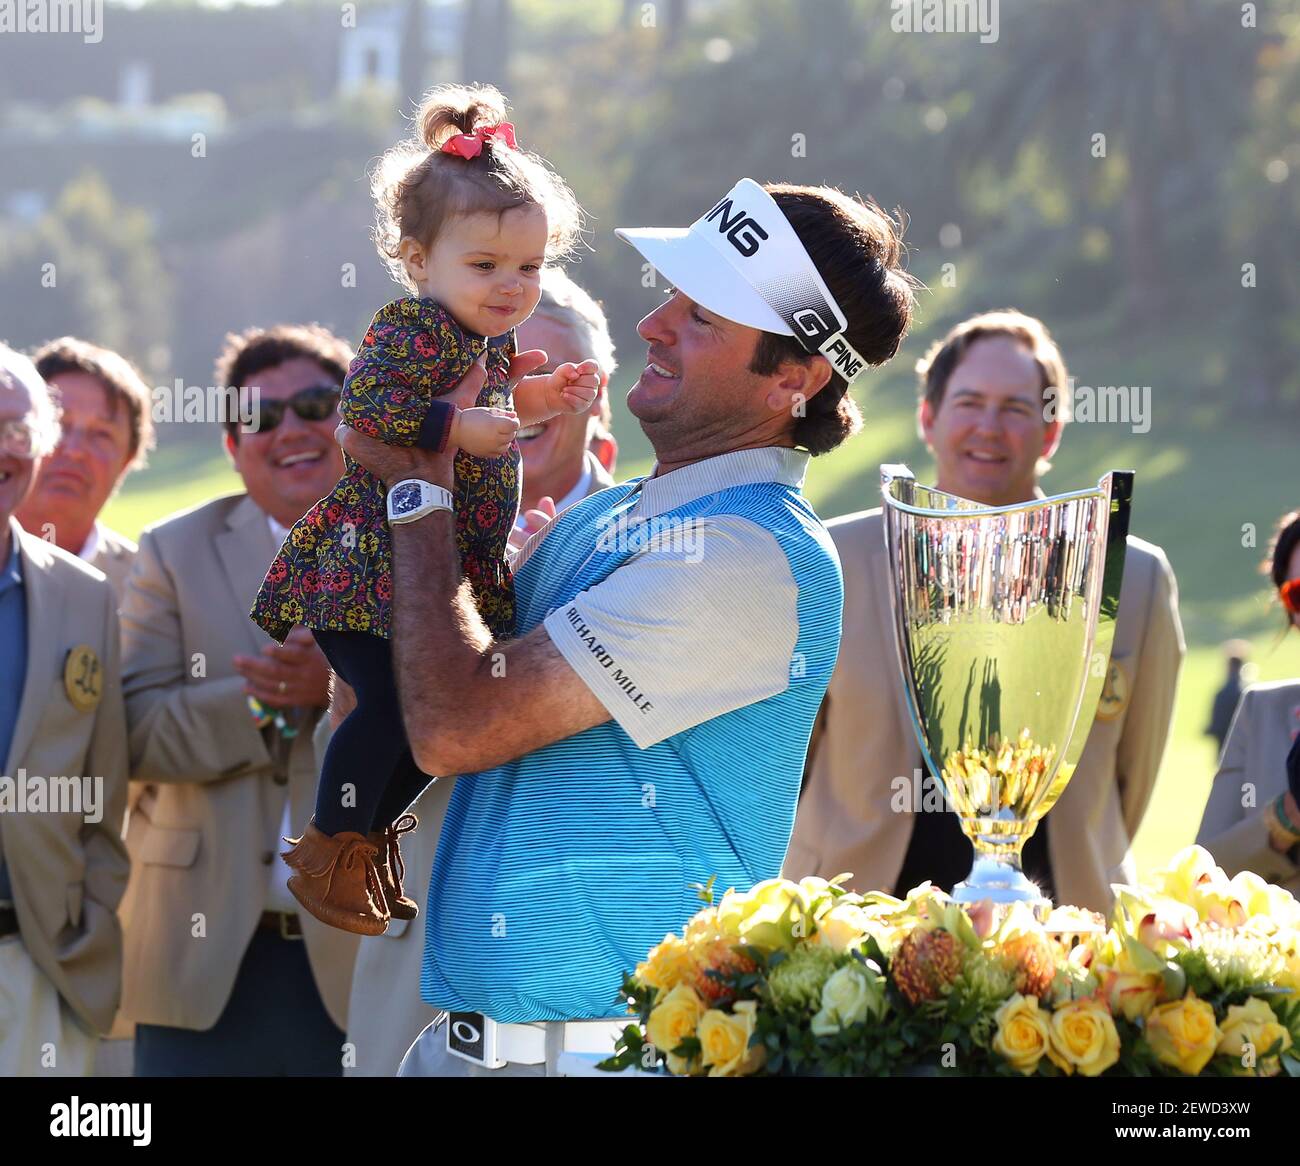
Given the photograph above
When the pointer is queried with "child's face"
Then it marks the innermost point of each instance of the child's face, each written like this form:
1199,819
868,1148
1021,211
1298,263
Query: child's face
486,269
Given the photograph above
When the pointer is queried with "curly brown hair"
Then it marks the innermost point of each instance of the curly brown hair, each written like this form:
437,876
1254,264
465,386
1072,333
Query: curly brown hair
858,250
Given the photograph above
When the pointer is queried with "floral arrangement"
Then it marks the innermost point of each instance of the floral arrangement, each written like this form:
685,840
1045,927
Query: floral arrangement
1195,974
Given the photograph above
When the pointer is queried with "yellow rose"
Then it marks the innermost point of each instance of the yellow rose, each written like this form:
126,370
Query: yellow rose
1253,1024
703,929
1133,994
1083,1038
674,1018
724,1041
1023,1033
667,964
842,927
1183,1034
772,915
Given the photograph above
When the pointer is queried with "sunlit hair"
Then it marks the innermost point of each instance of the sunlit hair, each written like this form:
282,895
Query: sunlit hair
418,189
935,368
17,371
123,385
858,250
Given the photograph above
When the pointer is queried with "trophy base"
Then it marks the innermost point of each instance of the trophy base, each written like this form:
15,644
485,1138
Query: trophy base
1001,883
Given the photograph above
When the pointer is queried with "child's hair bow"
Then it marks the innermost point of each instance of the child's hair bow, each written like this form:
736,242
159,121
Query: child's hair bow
471,145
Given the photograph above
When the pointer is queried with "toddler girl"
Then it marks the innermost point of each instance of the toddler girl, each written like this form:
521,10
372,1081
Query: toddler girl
466,220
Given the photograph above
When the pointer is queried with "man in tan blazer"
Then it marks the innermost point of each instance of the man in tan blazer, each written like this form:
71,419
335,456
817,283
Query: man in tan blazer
386,1013
106,433
868,805
63,791
223,975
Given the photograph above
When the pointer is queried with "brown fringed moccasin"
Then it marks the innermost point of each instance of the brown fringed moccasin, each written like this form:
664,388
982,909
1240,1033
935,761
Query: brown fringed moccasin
337,880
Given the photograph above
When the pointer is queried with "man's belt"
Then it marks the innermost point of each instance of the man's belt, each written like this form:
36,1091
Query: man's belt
287,923
8,922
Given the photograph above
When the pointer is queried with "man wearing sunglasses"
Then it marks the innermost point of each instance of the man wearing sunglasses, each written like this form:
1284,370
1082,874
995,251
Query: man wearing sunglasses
222,975
62,740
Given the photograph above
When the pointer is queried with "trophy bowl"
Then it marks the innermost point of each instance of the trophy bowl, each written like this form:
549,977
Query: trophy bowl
1004,618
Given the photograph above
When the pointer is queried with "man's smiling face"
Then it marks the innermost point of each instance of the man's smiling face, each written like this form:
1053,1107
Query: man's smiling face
989,429
697,380
288,468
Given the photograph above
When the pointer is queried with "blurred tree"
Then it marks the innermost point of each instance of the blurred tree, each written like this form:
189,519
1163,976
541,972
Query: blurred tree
1261,276
1164,81
89,267
485,47
414,58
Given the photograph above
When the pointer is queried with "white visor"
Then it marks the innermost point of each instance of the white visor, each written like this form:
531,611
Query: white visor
744,261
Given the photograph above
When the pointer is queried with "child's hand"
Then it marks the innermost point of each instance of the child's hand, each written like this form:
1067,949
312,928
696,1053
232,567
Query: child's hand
483,432
572,388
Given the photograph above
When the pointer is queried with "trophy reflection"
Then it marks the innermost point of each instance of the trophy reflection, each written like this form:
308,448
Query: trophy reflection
1004,617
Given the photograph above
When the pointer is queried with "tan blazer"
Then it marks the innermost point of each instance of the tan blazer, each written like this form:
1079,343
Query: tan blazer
68,874
207,801
864,739
114,557
1252,771
386,1013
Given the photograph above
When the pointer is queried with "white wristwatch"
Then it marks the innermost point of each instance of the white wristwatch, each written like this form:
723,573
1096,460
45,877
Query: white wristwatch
413,498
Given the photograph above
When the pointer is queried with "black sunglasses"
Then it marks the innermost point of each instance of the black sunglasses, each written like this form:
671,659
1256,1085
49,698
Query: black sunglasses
317,403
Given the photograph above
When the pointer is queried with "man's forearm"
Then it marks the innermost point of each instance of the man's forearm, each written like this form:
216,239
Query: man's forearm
439,640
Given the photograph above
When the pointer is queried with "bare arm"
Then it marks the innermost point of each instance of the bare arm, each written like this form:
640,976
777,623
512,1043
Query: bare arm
468,702
571,388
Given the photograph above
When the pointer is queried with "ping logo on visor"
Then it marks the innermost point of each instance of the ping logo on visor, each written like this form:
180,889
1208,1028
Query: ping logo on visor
744,261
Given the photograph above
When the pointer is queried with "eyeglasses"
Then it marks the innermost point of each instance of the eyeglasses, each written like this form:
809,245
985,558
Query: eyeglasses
1290,594
18,438
316,403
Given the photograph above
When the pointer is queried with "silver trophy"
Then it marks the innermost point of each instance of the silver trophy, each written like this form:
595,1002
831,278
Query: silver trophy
1004,618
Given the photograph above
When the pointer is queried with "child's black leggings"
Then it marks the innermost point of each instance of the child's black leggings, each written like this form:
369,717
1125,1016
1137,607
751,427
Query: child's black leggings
369,776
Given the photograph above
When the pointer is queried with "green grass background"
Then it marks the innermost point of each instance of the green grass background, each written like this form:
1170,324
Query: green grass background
1204,492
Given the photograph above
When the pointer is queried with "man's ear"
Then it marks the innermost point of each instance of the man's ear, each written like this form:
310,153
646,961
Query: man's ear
1052,438
413,257
228,440
925,421
797,383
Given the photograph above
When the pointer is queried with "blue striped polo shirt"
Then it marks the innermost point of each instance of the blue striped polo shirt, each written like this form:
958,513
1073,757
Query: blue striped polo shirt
702,607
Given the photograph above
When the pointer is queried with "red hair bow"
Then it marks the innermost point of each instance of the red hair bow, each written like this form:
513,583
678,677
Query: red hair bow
471,145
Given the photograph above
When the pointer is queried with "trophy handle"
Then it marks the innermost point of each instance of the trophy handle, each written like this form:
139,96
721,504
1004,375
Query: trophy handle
1118,485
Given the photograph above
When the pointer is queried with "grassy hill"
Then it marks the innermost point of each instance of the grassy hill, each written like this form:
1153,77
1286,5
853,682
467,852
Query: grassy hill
1200,483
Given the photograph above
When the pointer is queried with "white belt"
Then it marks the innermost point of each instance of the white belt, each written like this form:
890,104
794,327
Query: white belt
525,1044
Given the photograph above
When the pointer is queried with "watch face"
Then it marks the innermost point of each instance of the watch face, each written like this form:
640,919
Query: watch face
404,498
